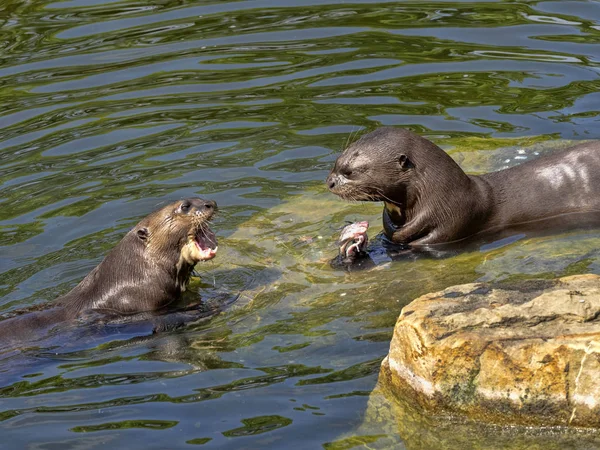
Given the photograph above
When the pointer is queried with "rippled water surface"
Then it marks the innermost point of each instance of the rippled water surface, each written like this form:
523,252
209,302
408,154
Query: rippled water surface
110,108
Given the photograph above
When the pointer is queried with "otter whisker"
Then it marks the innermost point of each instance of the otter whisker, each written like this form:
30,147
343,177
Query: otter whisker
365,195
348,138
385,197
364,191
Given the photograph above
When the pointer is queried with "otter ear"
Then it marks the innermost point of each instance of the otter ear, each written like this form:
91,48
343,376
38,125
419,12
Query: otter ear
404,162
142,233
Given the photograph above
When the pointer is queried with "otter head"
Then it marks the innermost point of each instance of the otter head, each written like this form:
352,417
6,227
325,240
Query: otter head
378,167
152,264
179,232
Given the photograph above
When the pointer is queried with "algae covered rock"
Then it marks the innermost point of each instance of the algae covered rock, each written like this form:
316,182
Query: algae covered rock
524,353
391,422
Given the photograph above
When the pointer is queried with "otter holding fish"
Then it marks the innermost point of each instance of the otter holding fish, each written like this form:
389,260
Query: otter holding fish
429,200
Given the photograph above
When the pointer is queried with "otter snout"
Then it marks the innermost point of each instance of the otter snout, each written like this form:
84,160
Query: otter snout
333,182
198,206
209,206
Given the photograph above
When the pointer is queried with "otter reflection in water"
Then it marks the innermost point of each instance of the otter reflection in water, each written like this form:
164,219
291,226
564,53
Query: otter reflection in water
140,279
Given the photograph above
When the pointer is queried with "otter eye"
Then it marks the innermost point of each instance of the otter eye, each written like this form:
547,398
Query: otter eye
185,207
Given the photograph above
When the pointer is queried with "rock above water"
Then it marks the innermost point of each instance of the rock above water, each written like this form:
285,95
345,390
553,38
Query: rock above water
527,353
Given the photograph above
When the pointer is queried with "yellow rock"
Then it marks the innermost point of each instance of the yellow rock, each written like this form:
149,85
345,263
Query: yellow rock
525,353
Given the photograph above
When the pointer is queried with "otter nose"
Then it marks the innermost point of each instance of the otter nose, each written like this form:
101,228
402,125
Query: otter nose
209,205
206,207
330,181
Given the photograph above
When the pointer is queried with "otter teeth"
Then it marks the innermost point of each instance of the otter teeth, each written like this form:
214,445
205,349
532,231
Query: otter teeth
206,253
206,243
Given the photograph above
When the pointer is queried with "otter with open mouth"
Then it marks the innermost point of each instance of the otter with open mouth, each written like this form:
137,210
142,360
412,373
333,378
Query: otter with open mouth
141,277
429,200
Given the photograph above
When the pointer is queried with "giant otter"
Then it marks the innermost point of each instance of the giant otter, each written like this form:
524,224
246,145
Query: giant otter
430,200
145,273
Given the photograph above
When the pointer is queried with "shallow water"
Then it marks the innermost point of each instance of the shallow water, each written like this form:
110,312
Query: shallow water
111,108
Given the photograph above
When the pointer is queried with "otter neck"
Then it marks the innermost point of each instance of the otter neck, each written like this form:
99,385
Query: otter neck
451,209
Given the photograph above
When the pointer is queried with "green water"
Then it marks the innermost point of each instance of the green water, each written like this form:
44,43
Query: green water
111,108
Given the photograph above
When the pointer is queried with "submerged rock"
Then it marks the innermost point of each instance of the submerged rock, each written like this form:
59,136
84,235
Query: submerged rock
391,422
527,353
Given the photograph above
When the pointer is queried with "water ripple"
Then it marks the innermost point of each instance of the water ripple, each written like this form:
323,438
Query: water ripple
110,108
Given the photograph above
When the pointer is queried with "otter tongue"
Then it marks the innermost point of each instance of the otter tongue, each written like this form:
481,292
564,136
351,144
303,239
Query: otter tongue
206,241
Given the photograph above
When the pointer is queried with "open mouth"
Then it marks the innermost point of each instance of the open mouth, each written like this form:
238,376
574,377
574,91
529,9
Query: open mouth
206,243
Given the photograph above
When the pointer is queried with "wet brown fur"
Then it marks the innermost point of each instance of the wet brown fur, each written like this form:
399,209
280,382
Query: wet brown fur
430,200
144,272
